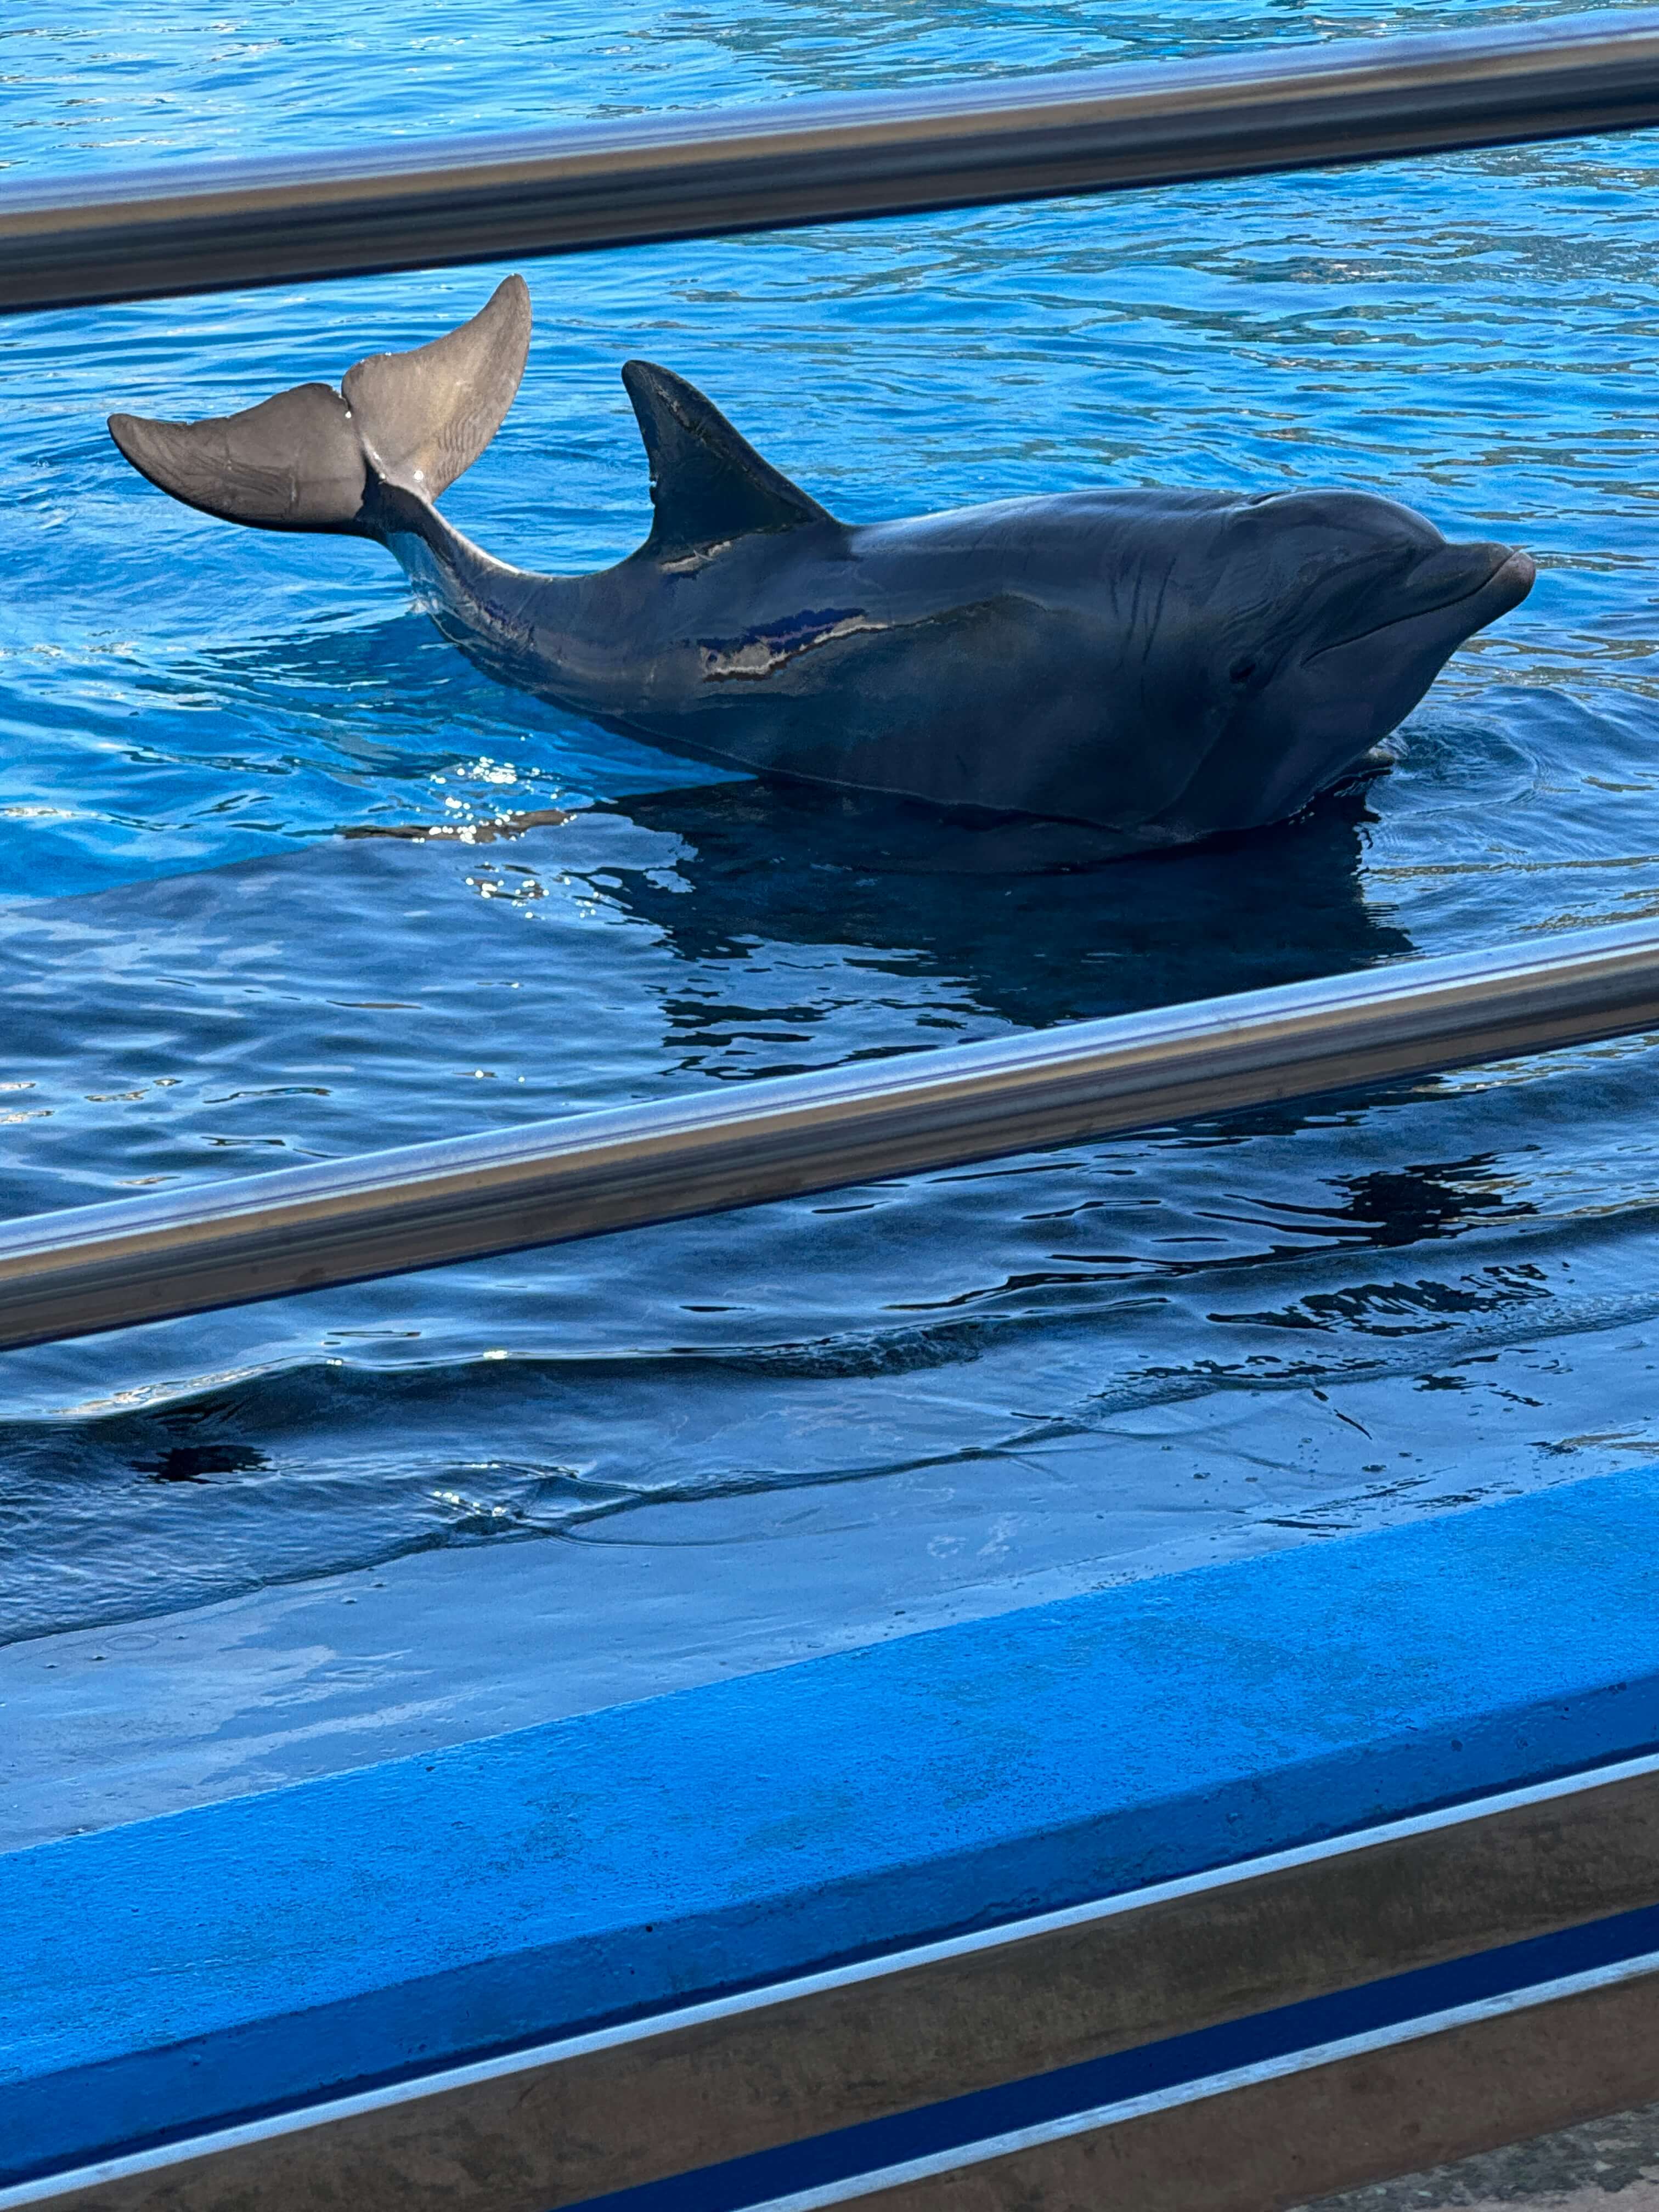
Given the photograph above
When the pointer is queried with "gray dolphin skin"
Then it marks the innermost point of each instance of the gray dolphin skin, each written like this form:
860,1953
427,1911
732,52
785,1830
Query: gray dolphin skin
1158,666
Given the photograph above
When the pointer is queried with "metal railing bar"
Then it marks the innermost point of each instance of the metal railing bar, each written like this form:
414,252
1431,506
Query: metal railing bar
264,1236
195,227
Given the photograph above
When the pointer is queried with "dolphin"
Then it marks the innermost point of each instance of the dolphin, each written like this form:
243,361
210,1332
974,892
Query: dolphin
1157,666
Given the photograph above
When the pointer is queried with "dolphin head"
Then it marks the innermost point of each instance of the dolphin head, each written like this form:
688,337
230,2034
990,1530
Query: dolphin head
1334,613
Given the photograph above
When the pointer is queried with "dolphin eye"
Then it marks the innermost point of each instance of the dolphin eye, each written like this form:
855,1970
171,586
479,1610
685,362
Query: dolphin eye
1241,672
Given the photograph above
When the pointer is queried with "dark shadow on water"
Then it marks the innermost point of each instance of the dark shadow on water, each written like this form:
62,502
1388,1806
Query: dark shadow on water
200,1462
1412,1205
759,867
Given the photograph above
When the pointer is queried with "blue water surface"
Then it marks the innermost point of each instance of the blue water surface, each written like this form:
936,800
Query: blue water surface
1271,1328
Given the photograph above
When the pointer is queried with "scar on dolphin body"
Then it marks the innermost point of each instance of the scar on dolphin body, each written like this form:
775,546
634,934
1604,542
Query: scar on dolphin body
1157,666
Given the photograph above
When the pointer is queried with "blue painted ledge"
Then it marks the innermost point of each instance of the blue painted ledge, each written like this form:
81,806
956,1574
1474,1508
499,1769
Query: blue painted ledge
190,1970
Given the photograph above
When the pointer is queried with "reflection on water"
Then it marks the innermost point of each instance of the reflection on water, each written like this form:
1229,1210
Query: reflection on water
1257,1271
934,897
284,879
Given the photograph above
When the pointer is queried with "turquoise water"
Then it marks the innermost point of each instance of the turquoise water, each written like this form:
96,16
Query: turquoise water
1267,1329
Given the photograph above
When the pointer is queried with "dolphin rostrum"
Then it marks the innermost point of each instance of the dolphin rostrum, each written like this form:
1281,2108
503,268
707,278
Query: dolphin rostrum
1159,666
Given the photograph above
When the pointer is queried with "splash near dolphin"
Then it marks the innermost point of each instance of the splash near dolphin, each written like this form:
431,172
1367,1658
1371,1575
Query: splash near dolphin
1157,666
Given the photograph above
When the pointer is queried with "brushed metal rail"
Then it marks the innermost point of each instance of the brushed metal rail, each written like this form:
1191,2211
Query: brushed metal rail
383,1213
195,227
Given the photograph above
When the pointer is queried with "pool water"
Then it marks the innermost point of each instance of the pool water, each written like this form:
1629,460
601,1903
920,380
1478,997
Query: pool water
269,893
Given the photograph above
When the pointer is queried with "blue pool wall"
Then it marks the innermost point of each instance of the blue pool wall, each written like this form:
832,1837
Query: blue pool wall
181,1973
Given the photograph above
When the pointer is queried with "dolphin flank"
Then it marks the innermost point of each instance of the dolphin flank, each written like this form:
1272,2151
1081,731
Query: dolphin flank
1157,665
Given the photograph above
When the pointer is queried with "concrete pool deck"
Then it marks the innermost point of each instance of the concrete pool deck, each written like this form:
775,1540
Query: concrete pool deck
1610,2165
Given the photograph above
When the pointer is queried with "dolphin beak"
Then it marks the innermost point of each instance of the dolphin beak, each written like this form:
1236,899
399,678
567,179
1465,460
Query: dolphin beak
1471,585
1487,580
1511,580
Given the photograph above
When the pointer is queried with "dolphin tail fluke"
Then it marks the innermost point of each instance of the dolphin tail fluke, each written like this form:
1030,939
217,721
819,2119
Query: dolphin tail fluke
312,458
425,417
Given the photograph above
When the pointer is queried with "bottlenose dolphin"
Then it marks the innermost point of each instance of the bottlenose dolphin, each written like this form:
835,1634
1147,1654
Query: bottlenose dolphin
1157,665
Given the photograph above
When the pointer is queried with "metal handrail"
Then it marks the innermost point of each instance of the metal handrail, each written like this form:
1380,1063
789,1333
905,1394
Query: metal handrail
197,227
262,1236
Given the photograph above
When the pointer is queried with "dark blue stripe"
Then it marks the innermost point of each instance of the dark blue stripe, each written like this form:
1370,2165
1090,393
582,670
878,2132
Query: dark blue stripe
959,2121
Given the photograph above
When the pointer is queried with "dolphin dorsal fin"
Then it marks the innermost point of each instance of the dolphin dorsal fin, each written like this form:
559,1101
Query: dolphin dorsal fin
708,484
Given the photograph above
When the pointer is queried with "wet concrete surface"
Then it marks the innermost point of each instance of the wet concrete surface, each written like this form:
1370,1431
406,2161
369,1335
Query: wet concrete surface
1600,2166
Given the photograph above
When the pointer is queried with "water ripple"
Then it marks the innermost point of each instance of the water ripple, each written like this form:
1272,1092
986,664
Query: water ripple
282,878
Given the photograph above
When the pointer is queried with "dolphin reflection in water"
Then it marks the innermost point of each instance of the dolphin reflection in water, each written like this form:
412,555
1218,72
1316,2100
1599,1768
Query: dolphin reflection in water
1147,667
895,890
902,891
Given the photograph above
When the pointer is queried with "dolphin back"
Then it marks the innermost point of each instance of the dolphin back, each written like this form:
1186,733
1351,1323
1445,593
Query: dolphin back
312,459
